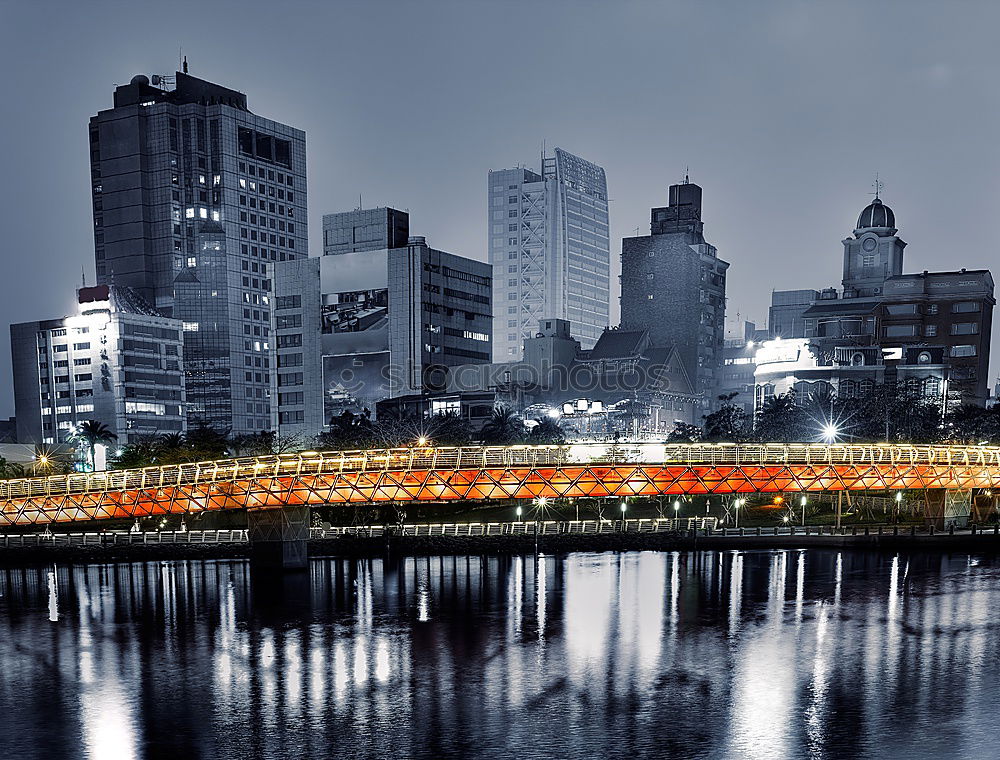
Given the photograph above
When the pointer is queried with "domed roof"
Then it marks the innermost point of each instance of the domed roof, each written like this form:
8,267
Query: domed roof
876,214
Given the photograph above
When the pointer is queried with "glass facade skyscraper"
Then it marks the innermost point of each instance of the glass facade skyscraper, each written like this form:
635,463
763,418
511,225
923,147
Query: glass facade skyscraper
550,251
195,199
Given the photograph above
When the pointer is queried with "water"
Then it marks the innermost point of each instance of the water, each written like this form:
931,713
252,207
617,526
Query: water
694,654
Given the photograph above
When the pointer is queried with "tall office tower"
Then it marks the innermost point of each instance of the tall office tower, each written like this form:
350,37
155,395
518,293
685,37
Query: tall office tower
365,229
195,199
357,328
116,361
550,251
674,286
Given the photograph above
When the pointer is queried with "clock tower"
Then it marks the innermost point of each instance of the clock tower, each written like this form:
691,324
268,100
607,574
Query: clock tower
874,254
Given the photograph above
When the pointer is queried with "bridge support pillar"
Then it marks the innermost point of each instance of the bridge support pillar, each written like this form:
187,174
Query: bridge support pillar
984,505
943,507
279,537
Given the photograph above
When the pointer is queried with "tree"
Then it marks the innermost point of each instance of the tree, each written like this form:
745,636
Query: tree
684,433
504,427
449,429
90,433
10,469
780,420
729,423
204,442
349,431
891,412
972,424
253,444
546,431
143,453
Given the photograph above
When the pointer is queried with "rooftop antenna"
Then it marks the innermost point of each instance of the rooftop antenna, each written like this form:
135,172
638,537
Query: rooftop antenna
184,65
687,177
83,276
878,185
180,52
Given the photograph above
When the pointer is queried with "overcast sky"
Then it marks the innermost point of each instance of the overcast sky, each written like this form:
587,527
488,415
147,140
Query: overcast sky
784,111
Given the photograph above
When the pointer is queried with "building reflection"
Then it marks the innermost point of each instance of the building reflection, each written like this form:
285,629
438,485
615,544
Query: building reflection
752,654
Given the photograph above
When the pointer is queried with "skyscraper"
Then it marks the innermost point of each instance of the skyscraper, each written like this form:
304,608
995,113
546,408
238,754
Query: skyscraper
195,198
674,286
550,251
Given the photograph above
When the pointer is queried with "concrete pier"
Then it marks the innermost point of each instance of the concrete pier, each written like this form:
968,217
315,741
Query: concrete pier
944,508
279,537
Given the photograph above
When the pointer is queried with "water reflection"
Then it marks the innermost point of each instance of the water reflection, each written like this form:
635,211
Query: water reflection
761,654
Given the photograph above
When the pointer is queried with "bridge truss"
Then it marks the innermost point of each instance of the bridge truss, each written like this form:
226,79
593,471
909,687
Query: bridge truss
477,473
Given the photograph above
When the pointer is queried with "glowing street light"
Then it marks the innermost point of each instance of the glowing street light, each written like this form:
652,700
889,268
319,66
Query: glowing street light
422,440
518,511
802,503
677,508
738,503
830,432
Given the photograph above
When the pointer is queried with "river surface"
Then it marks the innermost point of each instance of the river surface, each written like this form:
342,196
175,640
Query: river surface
784,654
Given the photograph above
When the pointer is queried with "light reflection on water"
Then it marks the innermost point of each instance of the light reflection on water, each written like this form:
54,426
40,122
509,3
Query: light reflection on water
756,654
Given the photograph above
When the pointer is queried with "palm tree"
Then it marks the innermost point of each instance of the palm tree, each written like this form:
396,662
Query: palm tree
503,427
90,433
547,431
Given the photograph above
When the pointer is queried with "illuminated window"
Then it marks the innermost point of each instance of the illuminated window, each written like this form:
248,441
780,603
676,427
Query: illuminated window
190,327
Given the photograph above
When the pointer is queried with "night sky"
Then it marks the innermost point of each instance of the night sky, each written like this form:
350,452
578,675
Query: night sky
784,111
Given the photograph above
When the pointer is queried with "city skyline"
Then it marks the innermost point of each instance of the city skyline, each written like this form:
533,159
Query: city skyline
808,143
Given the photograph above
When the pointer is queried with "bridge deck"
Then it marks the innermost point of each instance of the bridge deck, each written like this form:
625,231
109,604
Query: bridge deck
494,472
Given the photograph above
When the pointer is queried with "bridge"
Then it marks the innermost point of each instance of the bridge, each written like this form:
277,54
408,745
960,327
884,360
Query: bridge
278,490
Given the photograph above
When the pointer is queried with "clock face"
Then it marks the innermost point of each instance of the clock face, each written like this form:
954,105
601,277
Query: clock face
869,244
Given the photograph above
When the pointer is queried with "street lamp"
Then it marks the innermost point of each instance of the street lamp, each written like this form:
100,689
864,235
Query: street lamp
802,502
518,510
830,432
677,509
422,440
738,503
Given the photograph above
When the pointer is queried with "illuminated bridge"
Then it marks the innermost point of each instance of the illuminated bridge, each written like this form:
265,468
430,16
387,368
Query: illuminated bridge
278,490
476,473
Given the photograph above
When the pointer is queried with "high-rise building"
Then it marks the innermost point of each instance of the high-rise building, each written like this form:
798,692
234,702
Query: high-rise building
356,328
116,361
550,251
365,229
674,287
195,200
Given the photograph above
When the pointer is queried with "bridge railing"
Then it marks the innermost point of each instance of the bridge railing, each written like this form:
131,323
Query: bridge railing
496,457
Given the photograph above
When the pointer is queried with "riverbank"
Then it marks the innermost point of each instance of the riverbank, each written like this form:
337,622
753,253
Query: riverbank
362,546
